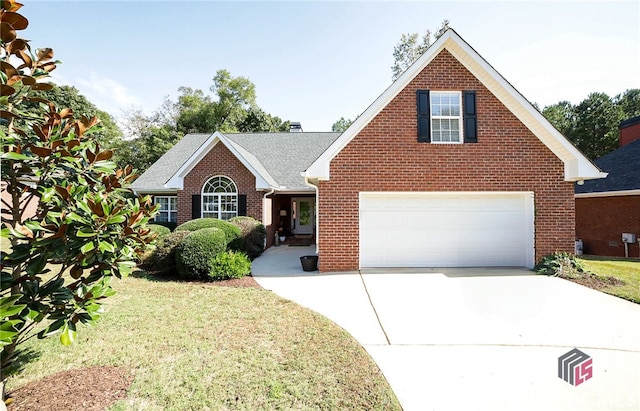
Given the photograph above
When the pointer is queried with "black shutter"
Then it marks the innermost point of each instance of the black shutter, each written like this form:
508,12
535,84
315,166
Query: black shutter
196,206
242,205
470,117
424,117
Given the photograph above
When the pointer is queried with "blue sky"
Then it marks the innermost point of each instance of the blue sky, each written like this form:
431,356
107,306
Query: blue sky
315,62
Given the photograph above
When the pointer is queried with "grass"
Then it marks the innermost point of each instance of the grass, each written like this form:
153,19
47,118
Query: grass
198,346
623,269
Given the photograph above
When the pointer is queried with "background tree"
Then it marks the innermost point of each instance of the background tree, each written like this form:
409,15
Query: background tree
629,103
69,96
88,226
234,110
257,120
562,116
148,137
595,131
593,124
341,125
411,46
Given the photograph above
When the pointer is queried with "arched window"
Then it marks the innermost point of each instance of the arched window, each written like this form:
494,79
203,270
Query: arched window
219,198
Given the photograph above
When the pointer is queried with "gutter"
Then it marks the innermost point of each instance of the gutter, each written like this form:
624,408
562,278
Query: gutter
264,212
317,202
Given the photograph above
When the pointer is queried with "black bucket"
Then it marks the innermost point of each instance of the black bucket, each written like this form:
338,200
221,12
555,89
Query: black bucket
309,262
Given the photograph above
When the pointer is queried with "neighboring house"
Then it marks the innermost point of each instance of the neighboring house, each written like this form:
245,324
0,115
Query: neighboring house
450,166
28,209
605,209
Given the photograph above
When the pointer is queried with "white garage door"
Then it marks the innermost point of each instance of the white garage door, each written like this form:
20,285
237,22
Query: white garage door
462,229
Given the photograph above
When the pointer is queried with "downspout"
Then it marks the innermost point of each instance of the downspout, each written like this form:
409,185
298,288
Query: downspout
264,212
315,188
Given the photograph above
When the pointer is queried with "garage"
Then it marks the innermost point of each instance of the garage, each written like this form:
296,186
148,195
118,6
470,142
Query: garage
446,229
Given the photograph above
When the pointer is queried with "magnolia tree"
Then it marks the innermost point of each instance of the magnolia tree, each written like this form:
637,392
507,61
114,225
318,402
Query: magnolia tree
88,226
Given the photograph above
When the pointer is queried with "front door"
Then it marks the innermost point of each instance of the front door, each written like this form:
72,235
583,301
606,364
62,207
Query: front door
304,217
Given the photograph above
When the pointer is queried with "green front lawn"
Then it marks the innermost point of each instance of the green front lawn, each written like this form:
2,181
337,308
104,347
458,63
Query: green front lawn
200,346
627,271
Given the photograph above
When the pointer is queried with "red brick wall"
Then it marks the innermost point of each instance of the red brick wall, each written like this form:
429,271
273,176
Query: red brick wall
219,161
386,156
600,222
629,134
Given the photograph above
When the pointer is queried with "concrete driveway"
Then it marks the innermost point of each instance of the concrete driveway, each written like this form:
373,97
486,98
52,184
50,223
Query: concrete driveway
474,339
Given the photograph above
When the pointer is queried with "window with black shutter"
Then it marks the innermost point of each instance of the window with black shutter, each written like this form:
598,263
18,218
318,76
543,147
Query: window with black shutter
424,117
446,117
470,117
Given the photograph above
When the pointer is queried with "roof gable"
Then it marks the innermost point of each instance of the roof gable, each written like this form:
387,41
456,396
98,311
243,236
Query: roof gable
160,172
576,165
275,159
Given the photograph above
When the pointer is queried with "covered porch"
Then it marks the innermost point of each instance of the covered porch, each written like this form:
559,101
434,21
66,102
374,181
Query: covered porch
292,219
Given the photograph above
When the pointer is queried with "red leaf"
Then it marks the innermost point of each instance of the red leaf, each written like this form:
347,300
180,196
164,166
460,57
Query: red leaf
42,86
63,192
6,90
17,21
41,151
8,69
45,54
105,155
17,44
11,5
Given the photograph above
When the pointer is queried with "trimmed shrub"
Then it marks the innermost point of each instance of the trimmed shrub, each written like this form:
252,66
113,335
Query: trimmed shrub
252,239
230,264
159,229
195,253
560,265
163,258
231,232
171,225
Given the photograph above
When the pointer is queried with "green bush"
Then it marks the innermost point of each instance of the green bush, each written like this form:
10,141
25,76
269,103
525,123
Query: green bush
230,264
163,258
171,225
195,253
231,232
159,229
252,240
560,265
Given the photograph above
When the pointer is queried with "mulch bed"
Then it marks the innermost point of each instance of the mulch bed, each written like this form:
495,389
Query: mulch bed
594,281
87,389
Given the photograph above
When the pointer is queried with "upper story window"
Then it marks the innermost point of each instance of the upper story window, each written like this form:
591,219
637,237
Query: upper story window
220,198
168,208
447,116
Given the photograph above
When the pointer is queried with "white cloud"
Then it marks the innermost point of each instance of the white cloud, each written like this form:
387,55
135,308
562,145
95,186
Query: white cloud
108,90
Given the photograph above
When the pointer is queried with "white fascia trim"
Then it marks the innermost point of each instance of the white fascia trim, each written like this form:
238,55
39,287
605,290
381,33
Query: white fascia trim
609,194
177,180
320,168
162,191
576,166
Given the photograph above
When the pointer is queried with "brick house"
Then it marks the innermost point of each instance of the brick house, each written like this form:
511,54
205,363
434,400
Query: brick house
605,209
450,166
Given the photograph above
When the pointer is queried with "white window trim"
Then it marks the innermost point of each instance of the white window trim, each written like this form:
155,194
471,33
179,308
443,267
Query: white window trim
217,197
459,118
170,212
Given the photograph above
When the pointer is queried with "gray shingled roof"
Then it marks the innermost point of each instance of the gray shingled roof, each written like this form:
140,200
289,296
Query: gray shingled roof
623,166
278,157
161,171
285,155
